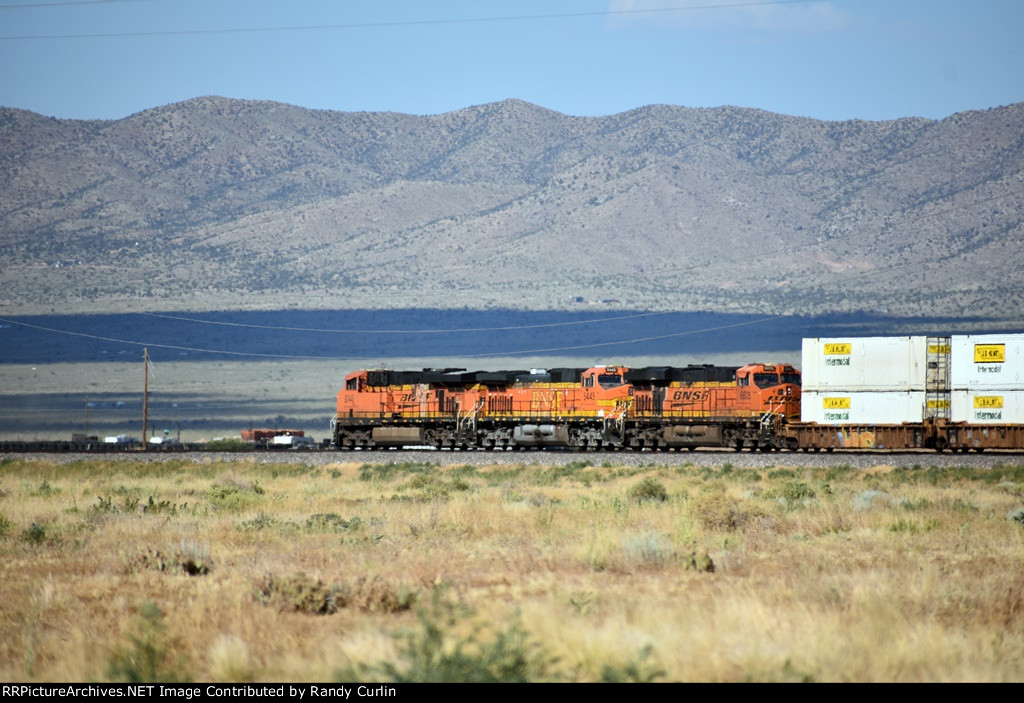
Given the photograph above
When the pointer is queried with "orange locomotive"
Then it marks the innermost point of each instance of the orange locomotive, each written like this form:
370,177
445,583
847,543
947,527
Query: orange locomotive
601,407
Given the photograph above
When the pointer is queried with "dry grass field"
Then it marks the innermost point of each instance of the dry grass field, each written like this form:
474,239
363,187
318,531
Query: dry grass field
249,571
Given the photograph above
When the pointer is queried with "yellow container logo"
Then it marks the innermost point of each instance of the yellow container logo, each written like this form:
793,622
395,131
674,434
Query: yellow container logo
934,404
989,353
836,403
988,401
938,349
838,348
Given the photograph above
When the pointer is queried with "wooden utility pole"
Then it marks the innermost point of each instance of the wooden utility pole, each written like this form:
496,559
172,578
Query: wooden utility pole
145,395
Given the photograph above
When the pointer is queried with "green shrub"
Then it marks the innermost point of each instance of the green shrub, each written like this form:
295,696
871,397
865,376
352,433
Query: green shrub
34,534
392,470
648,489
301,594
332,522
103,506
910,527
439,652
791,494
233,496
263,521
718,511
45,490
190,558
147,656
637,670
160,506
312,596
375,595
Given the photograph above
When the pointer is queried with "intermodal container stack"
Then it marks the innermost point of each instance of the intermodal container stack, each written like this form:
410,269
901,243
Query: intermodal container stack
988,379
864,380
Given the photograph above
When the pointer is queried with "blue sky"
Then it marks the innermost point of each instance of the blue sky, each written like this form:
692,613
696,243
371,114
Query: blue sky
829,59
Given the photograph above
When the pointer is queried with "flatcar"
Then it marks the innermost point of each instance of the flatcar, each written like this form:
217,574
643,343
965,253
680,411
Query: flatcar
602,407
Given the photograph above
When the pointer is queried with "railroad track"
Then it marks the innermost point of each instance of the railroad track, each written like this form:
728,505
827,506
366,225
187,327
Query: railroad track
195,448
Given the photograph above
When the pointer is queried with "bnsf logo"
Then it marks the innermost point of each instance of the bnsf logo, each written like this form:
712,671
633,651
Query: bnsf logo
692,396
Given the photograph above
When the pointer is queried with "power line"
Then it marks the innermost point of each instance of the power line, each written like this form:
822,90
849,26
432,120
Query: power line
415,331
66,3
162,346
407,23
628,341
595,345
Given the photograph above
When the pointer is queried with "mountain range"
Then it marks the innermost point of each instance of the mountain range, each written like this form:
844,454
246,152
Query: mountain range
217,203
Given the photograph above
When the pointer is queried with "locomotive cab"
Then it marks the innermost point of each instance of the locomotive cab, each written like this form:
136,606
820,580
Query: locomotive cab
606,377
770,388
604,391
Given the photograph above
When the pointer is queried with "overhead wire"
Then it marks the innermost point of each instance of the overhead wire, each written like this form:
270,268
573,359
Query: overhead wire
441,330
157,345
62,3
627,341
407,23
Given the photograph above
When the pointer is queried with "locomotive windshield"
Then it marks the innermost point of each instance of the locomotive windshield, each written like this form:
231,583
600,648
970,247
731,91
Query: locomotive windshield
766,380
609,380
793,378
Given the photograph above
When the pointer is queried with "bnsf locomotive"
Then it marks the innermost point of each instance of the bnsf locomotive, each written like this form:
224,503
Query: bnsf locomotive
604,407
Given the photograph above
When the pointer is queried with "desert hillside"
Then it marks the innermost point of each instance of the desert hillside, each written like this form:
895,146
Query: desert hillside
233,204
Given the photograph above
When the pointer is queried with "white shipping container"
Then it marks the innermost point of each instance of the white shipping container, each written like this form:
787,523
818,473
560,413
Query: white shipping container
864,363
862,407
292,441
987,407
119,439
987,362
